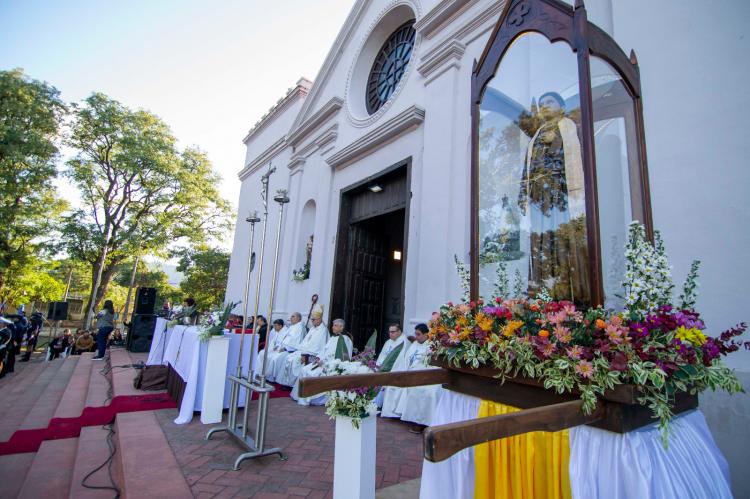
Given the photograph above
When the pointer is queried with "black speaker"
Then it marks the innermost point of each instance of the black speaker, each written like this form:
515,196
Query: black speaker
57,311
145,299
141,332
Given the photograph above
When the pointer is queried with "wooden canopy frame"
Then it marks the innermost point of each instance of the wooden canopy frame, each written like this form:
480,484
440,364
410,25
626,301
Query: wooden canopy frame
558,21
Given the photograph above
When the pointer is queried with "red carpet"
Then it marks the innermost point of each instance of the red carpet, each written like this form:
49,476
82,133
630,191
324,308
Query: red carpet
278,392
30,440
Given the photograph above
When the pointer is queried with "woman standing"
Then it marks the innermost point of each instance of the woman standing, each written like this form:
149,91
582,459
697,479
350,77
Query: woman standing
104,325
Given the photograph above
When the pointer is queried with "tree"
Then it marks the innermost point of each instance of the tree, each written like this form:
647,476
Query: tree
147,277
206,271
30,282
31,113
139,192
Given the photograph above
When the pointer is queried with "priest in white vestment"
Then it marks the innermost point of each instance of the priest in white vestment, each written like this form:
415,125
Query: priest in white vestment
280,351
417,403
392,395
311,346
396,339
276,337
315,368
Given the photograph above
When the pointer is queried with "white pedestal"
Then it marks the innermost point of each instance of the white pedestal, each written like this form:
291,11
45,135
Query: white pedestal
354,459
216,373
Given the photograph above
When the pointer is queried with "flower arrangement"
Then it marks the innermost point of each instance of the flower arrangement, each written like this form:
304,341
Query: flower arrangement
212,324
181,315
354,403
302,273
660,348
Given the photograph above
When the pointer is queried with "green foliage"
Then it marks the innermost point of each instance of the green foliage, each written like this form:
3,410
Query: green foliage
31,113
206,271
147,277
31,282
689,289
464,276
139,192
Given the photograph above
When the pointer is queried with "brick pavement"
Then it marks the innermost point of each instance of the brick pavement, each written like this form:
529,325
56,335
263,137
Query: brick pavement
306,435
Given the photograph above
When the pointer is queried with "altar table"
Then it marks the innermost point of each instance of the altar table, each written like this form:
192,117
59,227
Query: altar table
180,348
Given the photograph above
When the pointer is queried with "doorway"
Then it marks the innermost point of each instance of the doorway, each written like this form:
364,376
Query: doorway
368,281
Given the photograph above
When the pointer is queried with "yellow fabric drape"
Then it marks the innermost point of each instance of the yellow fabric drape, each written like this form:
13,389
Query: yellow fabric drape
533,465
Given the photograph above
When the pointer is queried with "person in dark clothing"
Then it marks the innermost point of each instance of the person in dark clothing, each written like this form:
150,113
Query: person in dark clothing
17,330
59,344
6,340
262,330
32,334
105,324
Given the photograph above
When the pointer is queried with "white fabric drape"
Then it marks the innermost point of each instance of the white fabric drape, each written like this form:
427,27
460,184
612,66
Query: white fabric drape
187,356
158,343
636,465
454,477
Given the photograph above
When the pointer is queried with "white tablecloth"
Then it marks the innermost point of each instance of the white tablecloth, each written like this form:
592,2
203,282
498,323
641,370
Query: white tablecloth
603,464
158,343
187,356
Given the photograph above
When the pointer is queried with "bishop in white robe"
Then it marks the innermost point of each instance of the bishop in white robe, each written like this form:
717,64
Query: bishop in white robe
282,345
312,345
315,369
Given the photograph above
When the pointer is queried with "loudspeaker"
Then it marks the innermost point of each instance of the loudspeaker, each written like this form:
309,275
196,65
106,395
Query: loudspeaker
141,332
57,311
145,299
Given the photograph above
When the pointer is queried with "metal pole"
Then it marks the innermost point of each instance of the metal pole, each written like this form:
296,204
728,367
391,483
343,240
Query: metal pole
264,195
234,391
282,199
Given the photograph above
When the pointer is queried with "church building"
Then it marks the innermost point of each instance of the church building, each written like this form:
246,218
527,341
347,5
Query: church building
376,155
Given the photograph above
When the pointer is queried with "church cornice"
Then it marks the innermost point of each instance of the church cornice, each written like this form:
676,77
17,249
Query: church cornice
406,120
323,143
334,54
440,59
263,158
329,110
437,19
299,91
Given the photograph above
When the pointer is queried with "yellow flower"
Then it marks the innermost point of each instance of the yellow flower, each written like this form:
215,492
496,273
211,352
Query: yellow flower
461,321
512,327
484,322
465,334
692,335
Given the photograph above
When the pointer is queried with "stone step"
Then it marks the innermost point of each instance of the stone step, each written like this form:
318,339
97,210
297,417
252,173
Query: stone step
51,471
46,405
149,469
14,410
73,399
13,383
13,471
93,451
122,377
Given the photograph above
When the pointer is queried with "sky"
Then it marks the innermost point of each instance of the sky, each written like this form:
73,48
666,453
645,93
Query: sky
210,70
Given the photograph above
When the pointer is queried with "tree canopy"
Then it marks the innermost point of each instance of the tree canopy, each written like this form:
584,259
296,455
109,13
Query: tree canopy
31,114
206,271
139,192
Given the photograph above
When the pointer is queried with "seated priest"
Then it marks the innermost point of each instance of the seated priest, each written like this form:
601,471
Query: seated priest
276,337
417,403
392,395
311,346
339,346
281,349
392,355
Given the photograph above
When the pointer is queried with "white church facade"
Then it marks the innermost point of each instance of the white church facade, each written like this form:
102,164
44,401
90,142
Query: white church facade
376,154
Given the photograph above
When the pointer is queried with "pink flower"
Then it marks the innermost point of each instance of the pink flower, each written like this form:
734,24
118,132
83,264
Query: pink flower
547,349
562,334
575,352
557,318
569,308
614,333
585,369
453,338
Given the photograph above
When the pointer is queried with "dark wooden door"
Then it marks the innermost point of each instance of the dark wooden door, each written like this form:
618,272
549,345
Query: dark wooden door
366,282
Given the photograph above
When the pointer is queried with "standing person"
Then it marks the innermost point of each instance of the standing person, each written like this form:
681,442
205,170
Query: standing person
105,323
37,321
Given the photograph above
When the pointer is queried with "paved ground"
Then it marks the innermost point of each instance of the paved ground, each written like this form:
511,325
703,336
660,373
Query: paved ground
306,435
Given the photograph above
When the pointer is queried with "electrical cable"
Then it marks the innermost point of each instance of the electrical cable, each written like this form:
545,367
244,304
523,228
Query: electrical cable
106,369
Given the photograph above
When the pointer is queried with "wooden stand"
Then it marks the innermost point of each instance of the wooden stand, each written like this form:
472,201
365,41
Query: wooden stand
618,410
